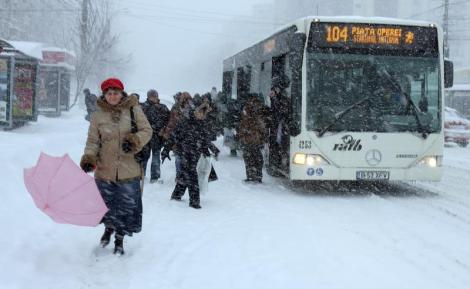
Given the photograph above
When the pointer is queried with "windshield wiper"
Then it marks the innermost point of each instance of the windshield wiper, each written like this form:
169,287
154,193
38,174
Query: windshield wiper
339,115
421,129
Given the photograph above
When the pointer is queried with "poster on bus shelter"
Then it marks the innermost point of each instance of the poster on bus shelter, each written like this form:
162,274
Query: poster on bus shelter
4,94
25,75
48,96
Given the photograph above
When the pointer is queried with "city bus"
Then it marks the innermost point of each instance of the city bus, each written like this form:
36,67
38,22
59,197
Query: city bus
365,97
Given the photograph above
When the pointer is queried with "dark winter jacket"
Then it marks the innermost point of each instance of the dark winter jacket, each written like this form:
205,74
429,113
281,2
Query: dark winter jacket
175,115
212,122
253,124
90,102
280,108
157,115
189,136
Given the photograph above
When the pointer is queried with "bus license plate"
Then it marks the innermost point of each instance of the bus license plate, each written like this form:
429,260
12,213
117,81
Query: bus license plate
372,175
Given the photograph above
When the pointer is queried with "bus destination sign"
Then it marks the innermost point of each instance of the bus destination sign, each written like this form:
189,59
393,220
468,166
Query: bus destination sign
358,35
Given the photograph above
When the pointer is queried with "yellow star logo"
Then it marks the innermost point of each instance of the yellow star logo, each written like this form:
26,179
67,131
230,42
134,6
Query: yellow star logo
409,37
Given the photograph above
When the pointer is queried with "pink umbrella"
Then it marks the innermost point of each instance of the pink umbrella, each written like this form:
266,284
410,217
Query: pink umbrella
64,192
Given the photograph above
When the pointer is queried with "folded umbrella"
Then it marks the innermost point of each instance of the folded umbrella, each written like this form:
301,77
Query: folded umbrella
64,192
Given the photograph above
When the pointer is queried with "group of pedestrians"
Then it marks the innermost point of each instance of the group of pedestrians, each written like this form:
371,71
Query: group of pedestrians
260,125
124,135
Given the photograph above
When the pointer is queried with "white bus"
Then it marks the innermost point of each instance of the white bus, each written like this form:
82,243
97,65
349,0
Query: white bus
366,97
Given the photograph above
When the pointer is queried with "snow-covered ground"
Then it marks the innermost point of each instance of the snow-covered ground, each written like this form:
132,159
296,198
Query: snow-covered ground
273,235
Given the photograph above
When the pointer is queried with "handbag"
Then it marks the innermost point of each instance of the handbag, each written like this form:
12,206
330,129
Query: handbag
140,156
213,175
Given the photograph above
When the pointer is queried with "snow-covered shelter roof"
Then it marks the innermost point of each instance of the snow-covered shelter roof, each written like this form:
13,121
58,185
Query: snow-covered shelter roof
42,52
32,49
10,49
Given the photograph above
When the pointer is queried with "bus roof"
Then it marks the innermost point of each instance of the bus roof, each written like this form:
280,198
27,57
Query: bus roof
361,19
301,24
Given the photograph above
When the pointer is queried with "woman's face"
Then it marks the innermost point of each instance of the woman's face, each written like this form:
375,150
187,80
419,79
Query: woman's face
113,96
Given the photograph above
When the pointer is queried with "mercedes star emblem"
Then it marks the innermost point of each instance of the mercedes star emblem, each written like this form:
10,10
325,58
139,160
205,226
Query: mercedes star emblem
373,157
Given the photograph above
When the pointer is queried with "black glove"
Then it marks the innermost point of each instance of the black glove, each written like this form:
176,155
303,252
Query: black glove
87,168
88,163
165,155
206,152
127,146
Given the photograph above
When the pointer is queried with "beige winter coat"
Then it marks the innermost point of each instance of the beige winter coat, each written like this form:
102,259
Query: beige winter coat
110,126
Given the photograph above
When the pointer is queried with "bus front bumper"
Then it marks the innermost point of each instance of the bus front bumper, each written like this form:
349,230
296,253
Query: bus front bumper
417,173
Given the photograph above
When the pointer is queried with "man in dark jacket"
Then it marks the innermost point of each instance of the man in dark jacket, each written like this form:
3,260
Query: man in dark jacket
279,124
90,103
158,116
212,121
189,140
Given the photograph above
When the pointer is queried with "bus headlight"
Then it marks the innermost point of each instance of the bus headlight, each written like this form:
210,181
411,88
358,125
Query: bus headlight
300,159
309,160
431,161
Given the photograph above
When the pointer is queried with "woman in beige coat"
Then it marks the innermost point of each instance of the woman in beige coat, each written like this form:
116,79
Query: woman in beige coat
118,130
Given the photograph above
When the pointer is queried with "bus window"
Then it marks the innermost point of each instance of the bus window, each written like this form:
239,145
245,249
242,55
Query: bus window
265,81
233,94
279,65
227,85
341,80
255,79
243,82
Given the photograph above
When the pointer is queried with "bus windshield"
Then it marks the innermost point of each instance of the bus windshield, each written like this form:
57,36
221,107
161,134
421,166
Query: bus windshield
372,93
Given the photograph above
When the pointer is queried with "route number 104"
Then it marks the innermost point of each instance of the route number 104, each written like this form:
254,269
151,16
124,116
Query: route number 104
337,34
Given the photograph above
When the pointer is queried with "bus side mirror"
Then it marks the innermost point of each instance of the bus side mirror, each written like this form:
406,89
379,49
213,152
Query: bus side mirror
448,74
296,53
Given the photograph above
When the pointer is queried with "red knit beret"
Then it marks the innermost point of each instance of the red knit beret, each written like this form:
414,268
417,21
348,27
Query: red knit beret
111,83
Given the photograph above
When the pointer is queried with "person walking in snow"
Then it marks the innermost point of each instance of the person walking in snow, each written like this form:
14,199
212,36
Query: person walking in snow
188,140
158,116
90,103
117,132
136,95
205,170
252,136
212,120
183,103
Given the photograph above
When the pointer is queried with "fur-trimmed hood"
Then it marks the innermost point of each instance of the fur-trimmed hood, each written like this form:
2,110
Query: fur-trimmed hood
126,103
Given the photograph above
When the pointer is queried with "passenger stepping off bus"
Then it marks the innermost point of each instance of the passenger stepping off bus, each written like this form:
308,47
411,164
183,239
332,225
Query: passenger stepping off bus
252,135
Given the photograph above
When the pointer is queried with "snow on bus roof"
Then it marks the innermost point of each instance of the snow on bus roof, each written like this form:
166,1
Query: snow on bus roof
372,20
300,22
459,87
354,19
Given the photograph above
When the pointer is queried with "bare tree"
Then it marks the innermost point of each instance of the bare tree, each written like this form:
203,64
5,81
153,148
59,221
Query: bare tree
98,45
82,26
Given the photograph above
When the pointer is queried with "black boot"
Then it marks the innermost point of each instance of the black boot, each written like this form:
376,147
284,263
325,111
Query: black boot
195,205
106,237
178,192
119,244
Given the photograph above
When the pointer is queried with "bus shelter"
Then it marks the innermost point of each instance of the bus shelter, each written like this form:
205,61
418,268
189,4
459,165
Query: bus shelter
55,72
54,75
18,89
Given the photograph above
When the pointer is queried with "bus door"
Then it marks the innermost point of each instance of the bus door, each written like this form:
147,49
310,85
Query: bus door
279,141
